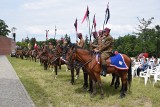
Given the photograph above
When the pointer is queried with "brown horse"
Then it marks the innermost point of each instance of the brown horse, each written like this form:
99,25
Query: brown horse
56,61
93,68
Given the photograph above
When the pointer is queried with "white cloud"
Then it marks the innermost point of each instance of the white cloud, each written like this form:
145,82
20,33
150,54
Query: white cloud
34,17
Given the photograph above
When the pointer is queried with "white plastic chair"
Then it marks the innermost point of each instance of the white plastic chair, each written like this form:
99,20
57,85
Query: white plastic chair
146,75
134,69
157,75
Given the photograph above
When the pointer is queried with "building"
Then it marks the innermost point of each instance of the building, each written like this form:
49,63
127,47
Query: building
6,45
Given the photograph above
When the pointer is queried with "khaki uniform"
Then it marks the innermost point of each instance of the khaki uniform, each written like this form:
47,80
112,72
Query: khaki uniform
81,43
94,43
106,48
29,46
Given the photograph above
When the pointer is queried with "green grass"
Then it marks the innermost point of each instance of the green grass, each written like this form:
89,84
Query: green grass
46,91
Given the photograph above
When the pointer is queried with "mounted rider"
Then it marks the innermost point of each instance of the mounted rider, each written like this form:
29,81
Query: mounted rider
81,42
94,44
105,47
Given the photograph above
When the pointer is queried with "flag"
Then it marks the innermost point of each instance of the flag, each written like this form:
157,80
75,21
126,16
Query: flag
75,24
94,22
107,13
86,14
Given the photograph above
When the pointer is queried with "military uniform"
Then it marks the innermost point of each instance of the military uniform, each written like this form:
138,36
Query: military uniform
94,44
29,46
106,48
81,42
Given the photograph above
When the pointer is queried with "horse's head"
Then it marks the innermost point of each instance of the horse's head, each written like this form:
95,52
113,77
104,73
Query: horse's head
69,55
65,48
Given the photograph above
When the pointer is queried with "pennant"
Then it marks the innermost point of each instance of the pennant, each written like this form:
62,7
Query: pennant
107,13
75,24
94,22
86,15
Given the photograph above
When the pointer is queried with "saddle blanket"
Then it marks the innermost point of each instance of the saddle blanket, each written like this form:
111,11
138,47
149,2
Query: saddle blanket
118,62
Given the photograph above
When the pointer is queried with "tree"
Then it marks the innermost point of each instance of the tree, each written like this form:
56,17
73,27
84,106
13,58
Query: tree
157,32
4,28
32,41
143,31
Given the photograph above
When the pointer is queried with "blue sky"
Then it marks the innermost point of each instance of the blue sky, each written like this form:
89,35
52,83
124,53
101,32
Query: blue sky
33,17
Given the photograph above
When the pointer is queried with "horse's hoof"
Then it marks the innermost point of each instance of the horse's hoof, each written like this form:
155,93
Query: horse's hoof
92,95
85,87
72,82
55,77
122,96
102,97
76,77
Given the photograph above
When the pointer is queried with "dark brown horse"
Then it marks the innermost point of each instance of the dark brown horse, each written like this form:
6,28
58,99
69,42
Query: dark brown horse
43,56
93,68
57,61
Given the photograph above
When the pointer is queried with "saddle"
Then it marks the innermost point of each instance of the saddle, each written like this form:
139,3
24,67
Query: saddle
108,61
115,60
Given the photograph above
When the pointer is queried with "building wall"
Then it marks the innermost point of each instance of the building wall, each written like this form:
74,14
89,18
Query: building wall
6,45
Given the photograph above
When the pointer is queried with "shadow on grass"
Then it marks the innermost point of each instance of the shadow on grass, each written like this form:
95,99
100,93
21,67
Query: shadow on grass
108,90
37,92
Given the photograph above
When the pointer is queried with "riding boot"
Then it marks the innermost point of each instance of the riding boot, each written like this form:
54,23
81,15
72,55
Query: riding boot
104,70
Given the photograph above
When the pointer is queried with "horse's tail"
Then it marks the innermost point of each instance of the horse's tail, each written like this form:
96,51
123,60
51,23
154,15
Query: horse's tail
130,75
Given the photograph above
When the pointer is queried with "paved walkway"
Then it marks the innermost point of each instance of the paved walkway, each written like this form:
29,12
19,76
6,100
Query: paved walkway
12,91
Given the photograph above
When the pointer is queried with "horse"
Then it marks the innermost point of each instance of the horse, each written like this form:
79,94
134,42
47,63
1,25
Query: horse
76,65
56,61
89,61
43,56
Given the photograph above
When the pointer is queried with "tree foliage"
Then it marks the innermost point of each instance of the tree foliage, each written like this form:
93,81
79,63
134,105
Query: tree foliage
4,31
145,40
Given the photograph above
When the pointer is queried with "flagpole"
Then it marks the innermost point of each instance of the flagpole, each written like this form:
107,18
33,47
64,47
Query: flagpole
89,28
47,35
55,32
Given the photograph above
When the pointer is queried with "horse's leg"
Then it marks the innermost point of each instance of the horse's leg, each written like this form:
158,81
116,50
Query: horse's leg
113,79
45,65
72,74
94,87
90,85
85,74
117,83
35,59
98,78
77,72
59,63
55,69
124,82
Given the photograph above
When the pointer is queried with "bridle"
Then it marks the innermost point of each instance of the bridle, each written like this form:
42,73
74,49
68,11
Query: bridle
74,52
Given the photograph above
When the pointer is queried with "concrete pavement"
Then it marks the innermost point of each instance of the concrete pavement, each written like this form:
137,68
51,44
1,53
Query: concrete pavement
12,91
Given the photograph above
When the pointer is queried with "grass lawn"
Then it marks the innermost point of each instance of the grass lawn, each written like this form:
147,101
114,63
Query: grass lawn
46,91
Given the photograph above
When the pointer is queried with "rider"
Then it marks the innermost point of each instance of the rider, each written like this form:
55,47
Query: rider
105,49
35,46
94,44
81,42
29,46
